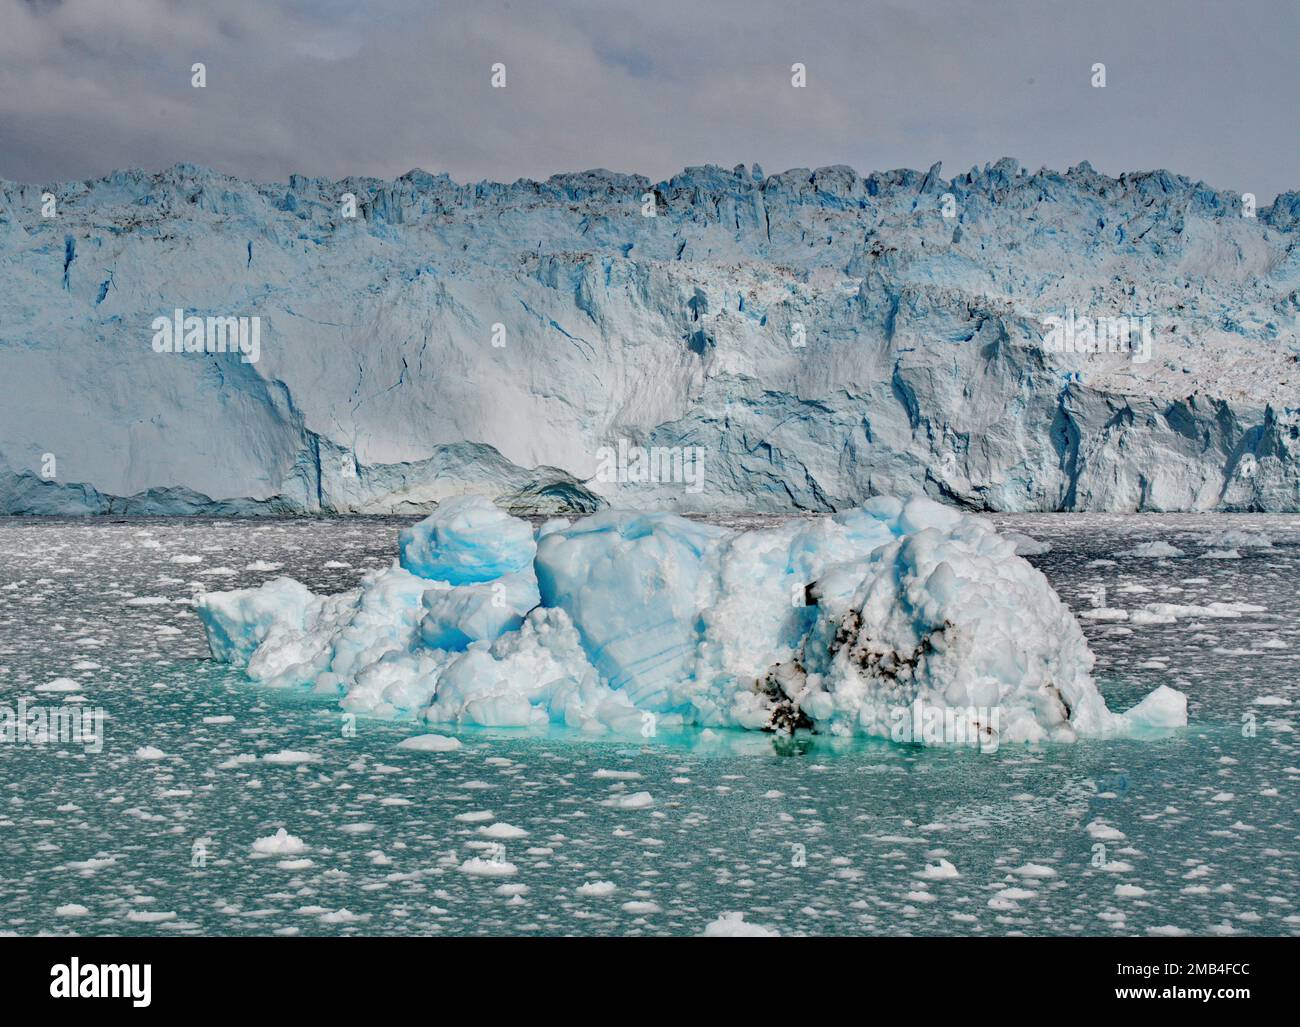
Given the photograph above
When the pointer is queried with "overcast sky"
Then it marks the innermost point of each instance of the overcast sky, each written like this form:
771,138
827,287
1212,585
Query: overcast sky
327,87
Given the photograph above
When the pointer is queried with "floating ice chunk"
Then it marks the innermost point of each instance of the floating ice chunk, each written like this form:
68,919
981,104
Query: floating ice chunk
342,916
941,871
290,757
431,743
734,925
149,752
1238,538
1221,554
1159,548
71,909
1027,545
1163,709
1034,870
636,800
467,539
649,622
149,916
282,843
477,867
1104,613
59,685
597,889
503,831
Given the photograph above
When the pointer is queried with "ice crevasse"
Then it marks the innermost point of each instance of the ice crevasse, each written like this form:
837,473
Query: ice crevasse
844,625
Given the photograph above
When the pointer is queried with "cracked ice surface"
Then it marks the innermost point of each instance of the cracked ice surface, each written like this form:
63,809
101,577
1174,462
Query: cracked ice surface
621,620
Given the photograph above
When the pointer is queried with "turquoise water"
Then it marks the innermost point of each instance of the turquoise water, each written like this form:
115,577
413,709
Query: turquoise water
1197,832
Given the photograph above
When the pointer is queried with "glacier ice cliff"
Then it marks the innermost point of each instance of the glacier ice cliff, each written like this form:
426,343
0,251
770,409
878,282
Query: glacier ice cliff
908,621
817,337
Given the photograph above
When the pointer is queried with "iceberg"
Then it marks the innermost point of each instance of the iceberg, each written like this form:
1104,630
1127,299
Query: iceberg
905,620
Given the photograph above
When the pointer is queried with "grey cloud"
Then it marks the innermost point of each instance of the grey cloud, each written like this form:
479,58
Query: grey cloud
1204,89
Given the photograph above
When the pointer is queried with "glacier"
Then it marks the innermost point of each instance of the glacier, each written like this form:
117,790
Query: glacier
818,336
905,620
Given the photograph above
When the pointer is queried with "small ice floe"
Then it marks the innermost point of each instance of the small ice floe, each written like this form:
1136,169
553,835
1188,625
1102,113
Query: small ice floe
149,916
148,601
224,718
1129,891
597,889
1034,870
1272,700
637,800
475,816
941,871
1107,613
334,565
1027,545
430,743
186,558
282,843
59,685
1146,618
503,831
1158,549
342,916
616,775
71,909
734,925
1238,538
149,752
1221,554
1103,832
295,864
477,867
641,907
1167,931
290,757
263,566
1169,613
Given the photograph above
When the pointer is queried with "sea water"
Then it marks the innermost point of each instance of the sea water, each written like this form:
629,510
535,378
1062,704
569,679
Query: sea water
152,830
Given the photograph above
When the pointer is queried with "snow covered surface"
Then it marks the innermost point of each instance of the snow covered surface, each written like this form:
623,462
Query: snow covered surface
868,622
821,336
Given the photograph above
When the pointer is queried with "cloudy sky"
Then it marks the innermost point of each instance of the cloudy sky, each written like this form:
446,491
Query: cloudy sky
327,87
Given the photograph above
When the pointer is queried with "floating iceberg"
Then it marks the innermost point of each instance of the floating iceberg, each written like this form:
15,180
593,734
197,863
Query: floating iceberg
903,620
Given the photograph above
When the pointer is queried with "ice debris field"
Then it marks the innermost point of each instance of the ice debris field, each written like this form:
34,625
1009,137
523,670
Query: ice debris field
862,623
174,827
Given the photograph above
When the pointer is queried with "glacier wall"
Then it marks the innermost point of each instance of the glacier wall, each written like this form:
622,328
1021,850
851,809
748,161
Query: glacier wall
811,339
